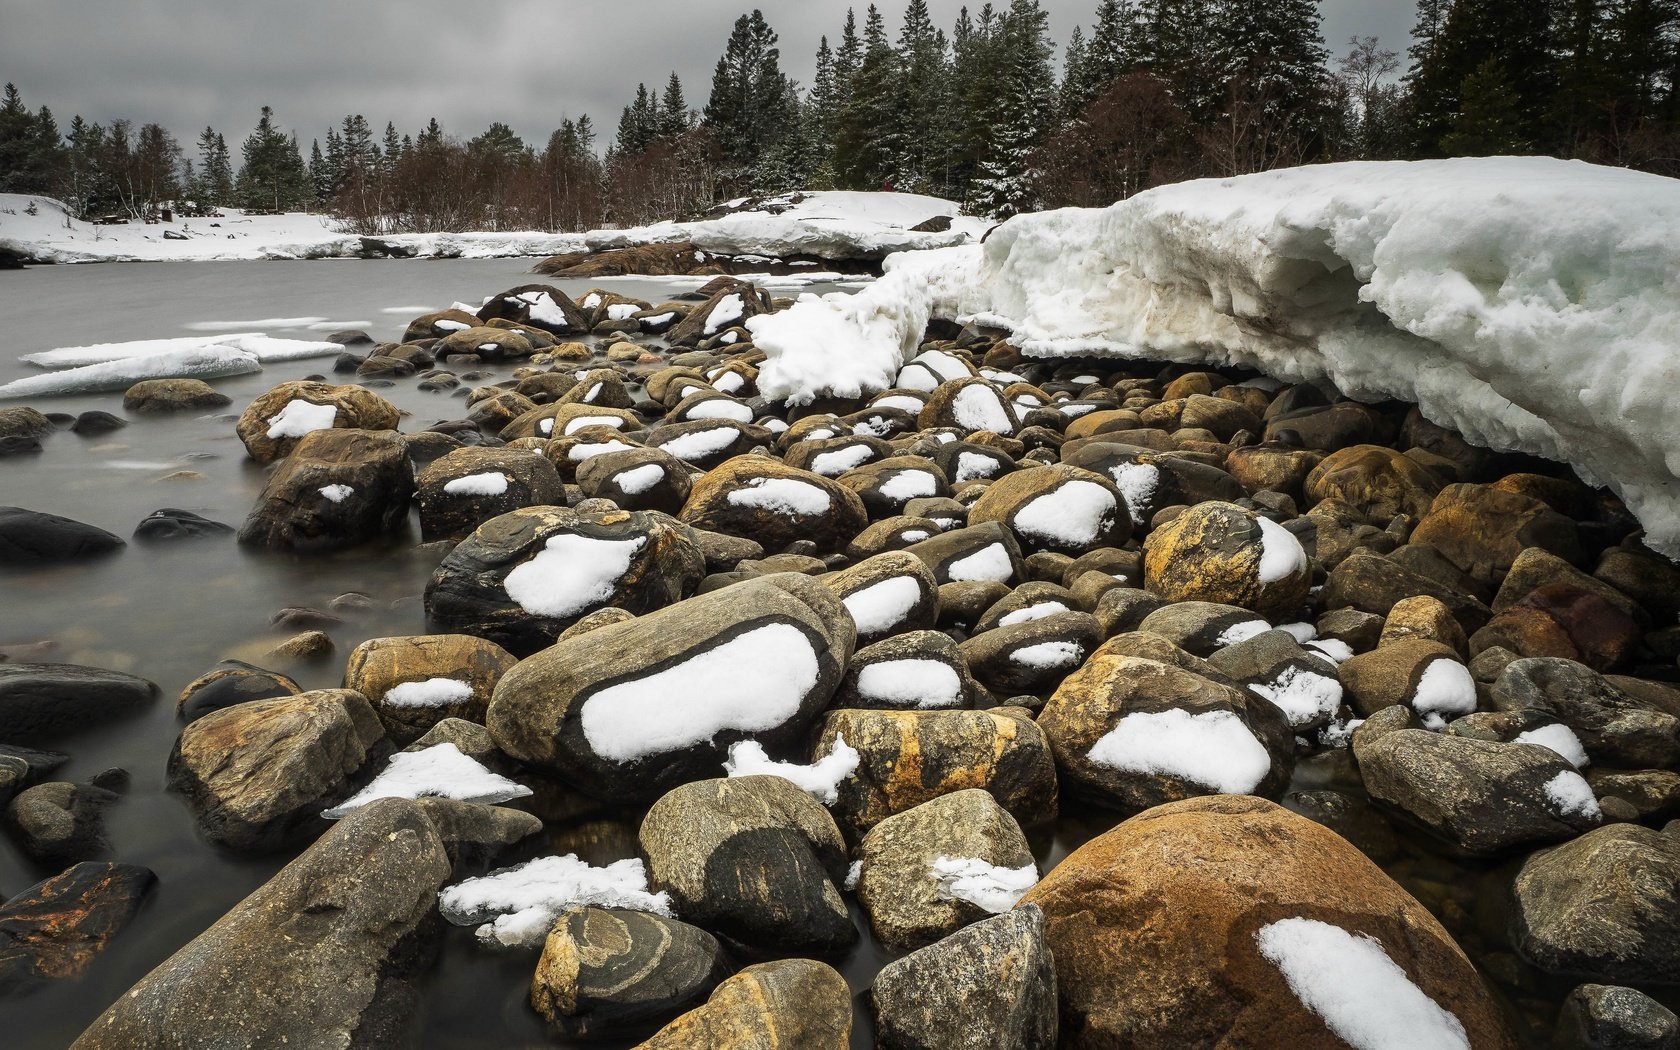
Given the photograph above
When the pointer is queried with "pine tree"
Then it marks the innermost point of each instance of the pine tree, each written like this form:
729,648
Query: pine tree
869,143
924,134
273,177
847,58
1022,104
391,153
1271,53
1489,119
639,124
673,109
321,178
30,149
1518,35
748,107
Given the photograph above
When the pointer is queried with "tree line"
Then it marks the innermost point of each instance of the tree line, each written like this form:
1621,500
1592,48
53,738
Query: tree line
1155,91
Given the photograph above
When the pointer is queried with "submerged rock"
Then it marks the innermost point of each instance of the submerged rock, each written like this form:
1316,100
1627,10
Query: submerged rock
29,538
54,929
45,701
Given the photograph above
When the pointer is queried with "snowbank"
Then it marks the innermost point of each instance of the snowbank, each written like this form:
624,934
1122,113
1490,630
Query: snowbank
826,225
1528,303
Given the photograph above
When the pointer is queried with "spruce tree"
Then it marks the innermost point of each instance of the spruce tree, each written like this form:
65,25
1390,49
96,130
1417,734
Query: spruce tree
1020,113
673,108
869,143
273,176
1518,35
1489,119
924,134
749,102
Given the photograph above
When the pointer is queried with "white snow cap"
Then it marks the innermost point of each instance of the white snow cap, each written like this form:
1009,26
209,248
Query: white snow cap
990,562
300,417
699,444
788,496
1281,554
432,692
1304,696
1528,301
441,771
1444,690
1074,512
883,604
911,683
337,493
992,888
1213,749
821,779
1361,994
1559,738
491,483
571,573
637,480
1572,795
752,683
523,902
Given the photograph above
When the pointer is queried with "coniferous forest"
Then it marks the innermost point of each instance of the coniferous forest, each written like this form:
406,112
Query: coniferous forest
990,112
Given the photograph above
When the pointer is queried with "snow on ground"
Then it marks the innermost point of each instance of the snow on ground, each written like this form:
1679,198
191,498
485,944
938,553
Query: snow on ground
821,779
751,683
523,902
1528,303
1362,995
436,772
828,225
992,888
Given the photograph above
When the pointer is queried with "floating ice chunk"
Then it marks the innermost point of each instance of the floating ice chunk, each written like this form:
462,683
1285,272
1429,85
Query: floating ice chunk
301,417
523,902
637,480
441,771
265,349
1074,513
1281,554
432,692
1559,738
833,464
882,604
752,683
267,322
490,483
337,493
1572,795
915,683
1362,995
821,779
990,887
990,562
1036,611
698,444
571,573
202,363
1303,696
1445,689
782,496
1048,655
1213,749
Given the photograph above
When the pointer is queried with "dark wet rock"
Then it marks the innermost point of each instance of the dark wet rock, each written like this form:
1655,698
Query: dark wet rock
303,648
1202,628
1350,817
1482,529
1480,797
760,659
60,822
753,859
792,1004
343,929
154,396
897,885
173,523
1607,1017
1605,907
611,973
1219,552
907,758
258,775
539,305
997,976
766,500
54,929
1614,726
415,682
1374,584
19,446
273,424
562,565
228,683
1654,794
91,423
918,669
46,701
1132,733
476,835
1566,621
466,488
29,538
1032,656
24,422
1153,927
337,488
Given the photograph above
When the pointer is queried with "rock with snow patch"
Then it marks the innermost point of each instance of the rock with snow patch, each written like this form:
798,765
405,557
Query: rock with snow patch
539,305
466,488
484,342
30,537
1480,797
418,681
1426,676
1301,683
45,701
887,485
1033,655
911,757
608,972
1208,921
1605,907
343,929
791,1004
154,396
1057,508
1203,628
918,670
637,479
274,422
971,405
172,523
912,866
1131,733
258,775
754,860
338,488
768,501
834,456
996,976
563,420
986,552
633,709
1219,552
707,443
438,324
887,594
1614,726
730,306
524,577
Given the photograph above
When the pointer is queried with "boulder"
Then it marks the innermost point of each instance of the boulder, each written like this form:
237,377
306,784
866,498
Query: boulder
754,859
1034,655
151,396
1301,684
630,710
1606,1017
970,405
1221,553
1374,584
766,500
916,670
416,682
792,1004
977,553
991,986
326,953
1175,928
59,822
228,683
274,422
258,775
1378,482
54,929
1613,725
1482,529
524,577
466,488
337,488
172,523
1057,508
1426,676
887,594
637,479
45,701
539,305
30,538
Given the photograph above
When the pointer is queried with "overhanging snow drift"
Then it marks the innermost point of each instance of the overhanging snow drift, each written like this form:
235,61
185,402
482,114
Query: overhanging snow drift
1528,303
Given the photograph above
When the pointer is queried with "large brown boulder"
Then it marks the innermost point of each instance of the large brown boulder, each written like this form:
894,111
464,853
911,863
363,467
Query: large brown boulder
766,500
272,424
792,1004
1377,482
1057,508
1482,529
1221,553
1160,929
460,491
417,681
338,488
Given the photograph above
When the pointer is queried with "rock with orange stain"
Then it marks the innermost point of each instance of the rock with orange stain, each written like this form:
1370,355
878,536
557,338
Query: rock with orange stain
53,929
792,1004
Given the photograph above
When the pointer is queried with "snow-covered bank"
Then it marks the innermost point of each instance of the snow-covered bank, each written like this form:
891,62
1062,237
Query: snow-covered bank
1529,303
825,225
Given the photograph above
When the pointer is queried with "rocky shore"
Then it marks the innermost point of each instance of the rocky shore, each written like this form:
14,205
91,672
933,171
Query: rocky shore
715,687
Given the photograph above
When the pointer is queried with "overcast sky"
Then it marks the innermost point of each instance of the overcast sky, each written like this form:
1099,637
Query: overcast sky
526,62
